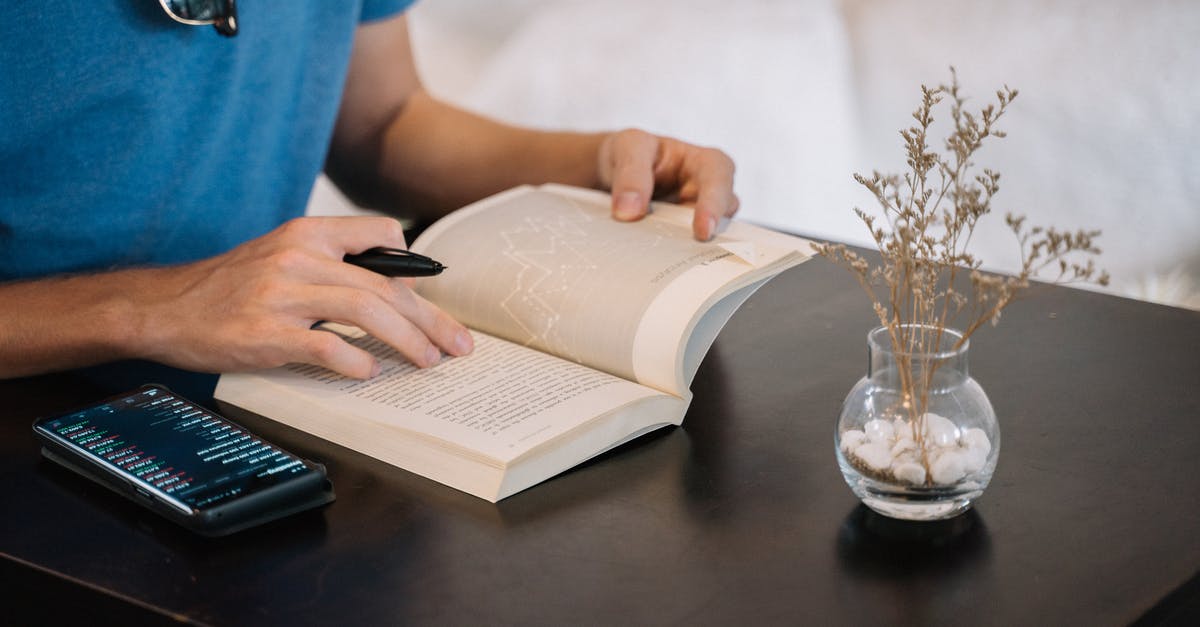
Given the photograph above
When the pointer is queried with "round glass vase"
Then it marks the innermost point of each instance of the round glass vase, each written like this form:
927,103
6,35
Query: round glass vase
917,438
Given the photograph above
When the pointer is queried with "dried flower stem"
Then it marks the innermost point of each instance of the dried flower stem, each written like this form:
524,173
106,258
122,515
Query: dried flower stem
931,214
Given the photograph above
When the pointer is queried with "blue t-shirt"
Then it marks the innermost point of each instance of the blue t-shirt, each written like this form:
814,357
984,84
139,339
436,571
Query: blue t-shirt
130,139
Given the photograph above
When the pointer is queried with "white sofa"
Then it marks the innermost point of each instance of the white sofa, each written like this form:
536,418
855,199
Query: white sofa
802,93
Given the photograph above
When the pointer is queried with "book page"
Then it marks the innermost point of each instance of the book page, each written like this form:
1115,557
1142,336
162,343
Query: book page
555,272
549,268
497,403
696,305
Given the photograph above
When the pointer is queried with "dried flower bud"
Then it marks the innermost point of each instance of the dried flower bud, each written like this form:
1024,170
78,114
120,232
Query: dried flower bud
932,211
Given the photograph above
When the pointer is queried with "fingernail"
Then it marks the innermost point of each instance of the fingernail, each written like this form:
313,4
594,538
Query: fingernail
463,343
629,206
432,355
712,228
376,370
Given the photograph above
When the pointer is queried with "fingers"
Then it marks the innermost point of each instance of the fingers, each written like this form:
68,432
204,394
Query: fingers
328,350
305,280
715,200
631,155
377,316
635,162
338,236
398,299
420,334
385,308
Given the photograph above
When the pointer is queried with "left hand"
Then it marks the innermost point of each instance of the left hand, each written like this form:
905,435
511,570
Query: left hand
638,166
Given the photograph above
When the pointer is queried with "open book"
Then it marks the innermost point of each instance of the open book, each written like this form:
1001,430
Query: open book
587,334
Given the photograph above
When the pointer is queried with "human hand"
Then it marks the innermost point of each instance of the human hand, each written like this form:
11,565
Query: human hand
638,166
254,307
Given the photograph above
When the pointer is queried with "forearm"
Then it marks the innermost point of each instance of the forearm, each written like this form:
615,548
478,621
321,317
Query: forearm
445,157
434,158
250,308
68,322
397,149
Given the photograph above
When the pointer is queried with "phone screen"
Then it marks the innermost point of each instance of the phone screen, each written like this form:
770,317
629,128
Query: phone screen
166,445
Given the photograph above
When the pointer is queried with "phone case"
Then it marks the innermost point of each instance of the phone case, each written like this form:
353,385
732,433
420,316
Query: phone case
303,493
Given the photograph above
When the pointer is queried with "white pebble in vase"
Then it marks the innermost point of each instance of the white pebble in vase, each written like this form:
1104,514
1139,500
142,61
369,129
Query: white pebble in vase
977,438
949,468
940,431
974,459
876,455
903,444
879,430
910,472
852,439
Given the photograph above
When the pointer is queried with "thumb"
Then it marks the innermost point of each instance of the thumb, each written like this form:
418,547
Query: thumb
632,157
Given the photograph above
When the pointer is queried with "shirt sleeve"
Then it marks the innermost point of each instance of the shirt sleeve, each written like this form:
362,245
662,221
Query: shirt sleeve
378,9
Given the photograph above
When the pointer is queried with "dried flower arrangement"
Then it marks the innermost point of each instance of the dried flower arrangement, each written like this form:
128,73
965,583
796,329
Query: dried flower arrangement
931,213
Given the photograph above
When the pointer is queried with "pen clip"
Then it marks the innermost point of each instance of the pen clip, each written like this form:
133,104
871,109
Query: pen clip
393,252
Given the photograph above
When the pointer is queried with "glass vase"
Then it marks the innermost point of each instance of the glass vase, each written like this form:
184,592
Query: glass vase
917,438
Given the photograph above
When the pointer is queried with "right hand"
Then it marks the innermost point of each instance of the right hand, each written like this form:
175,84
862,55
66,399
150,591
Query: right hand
254,307
638,166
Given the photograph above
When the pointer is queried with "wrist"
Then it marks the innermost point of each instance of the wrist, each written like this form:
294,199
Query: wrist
114,319
142,315
126,316
60,323
565,157
597,145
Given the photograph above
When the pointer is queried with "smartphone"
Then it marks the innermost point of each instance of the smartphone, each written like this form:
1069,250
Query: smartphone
182,461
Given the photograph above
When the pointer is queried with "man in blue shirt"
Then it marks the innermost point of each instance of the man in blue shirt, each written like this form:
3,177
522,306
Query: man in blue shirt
153,175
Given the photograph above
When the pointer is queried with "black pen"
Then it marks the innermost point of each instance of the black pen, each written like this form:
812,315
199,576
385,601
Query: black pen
395,262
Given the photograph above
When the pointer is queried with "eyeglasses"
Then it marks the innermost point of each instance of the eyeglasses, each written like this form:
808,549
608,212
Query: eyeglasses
222,14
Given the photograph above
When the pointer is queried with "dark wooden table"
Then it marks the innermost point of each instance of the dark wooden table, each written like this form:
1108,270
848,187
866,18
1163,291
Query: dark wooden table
738,517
